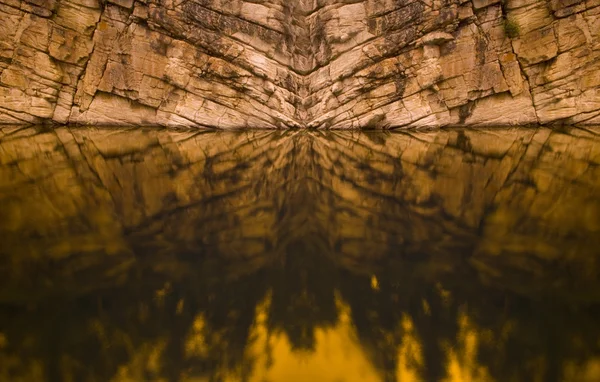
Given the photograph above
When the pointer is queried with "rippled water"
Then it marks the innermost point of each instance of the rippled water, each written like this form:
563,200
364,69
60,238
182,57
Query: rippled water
156,255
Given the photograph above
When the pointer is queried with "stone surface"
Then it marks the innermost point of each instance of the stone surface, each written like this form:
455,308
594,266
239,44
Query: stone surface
318,64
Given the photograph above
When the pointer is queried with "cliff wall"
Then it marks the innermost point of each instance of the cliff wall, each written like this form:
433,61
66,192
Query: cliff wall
305,63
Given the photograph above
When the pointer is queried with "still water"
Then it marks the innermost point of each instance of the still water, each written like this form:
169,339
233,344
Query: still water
162,255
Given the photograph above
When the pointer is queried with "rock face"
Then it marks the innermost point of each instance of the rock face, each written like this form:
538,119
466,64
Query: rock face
305,63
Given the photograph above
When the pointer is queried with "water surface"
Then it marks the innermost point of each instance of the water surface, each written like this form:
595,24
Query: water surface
160,255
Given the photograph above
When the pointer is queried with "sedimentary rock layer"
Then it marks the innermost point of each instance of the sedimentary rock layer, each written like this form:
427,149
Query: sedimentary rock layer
306,63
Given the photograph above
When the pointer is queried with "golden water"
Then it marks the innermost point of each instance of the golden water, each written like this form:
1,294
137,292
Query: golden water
161,255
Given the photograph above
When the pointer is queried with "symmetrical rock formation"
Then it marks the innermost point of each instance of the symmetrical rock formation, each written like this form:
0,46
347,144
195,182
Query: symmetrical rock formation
151,254
305,63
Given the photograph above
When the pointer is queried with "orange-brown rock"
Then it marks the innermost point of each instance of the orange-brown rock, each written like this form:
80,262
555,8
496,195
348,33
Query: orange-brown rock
306,63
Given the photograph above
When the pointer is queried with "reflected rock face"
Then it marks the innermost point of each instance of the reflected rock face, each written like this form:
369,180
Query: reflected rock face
303,63
173,255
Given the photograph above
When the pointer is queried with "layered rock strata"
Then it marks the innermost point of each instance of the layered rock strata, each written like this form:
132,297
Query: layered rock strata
317,64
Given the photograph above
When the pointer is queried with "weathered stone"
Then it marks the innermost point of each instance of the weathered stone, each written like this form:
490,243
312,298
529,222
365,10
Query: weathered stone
537,46
313,64
435,38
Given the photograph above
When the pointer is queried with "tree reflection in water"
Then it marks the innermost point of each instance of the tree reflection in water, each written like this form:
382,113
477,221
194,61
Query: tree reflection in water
157,255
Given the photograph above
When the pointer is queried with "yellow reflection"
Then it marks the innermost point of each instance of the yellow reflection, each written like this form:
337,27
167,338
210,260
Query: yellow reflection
426,307
145,360
180,305
337,355
195,343
462,360
410,353
160,294
589,371
374,283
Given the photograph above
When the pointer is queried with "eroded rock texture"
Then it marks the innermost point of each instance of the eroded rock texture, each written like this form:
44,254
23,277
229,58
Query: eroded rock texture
306,63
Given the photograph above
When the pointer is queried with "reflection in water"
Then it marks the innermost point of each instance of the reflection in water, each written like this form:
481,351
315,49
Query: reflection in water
155,255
